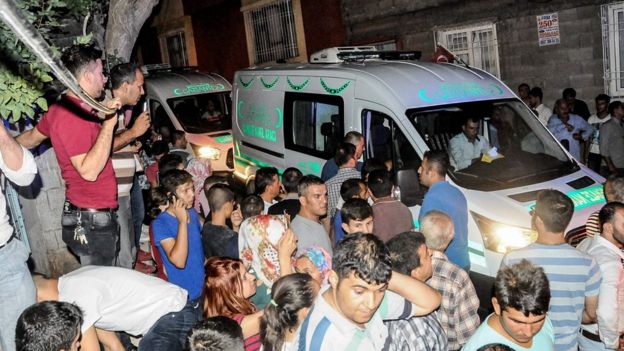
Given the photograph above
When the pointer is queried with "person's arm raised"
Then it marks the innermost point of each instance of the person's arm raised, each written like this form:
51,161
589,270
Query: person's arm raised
177,249
424,298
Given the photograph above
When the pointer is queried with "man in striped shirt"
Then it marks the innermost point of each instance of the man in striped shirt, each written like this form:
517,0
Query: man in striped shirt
349,314
573,275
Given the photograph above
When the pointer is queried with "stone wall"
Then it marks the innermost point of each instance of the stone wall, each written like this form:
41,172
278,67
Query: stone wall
42,205
576,62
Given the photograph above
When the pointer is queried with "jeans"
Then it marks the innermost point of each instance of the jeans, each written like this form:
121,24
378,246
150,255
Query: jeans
92,236
127,249
589,345
138,210
170,332
17,290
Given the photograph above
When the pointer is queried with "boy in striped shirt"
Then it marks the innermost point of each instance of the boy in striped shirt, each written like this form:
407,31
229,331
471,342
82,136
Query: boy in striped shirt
573,275
349,314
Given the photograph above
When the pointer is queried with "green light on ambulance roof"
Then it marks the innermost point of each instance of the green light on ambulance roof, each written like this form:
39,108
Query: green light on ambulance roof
198,88
583,197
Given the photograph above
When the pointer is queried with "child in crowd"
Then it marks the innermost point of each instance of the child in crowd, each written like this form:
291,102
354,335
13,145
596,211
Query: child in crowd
357,216
291,299
218,239
208,183
159,149
169,162
252,205
350,189
216,334
229,287
177,235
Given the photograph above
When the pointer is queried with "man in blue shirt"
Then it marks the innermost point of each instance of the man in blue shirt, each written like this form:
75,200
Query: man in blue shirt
569,128
442,196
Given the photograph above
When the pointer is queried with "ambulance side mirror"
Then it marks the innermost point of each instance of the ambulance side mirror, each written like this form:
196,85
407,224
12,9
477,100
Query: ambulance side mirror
412,192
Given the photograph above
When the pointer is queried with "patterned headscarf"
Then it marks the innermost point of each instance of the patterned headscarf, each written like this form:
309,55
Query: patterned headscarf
320,258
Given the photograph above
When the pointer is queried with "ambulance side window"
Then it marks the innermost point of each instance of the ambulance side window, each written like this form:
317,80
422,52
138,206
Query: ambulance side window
313,124
159,117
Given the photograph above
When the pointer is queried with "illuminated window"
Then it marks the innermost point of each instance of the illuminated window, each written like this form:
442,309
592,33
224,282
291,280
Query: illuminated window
475,45
275,32
613,44
313,124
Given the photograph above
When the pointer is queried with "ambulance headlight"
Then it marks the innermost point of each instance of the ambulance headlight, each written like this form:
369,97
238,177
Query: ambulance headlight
209,152
502,237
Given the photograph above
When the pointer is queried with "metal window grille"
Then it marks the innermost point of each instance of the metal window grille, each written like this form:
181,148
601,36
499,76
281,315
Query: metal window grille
273,31
475,45
612,16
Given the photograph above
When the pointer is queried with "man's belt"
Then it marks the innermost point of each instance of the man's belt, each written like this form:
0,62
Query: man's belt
71,207
591,336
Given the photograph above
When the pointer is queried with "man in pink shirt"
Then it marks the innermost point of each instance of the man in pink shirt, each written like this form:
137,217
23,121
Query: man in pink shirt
82,143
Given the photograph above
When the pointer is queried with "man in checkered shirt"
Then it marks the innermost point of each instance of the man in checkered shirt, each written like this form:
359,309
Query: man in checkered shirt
346,161
458,310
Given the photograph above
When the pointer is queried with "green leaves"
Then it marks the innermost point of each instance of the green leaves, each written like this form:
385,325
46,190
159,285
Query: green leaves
22,77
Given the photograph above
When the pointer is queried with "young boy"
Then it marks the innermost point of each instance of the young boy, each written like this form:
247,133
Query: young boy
177,235
218,239
350,189
357,216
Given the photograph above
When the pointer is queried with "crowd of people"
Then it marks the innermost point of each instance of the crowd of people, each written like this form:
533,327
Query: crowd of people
300,262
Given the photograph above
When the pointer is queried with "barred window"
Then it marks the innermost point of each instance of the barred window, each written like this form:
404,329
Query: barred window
475,45
272,32
613,46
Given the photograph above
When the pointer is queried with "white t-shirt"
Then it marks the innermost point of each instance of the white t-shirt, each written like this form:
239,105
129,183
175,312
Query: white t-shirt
596,122
120,299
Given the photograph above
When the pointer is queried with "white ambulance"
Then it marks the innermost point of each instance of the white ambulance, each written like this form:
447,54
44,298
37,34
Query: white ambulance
294,114
197,103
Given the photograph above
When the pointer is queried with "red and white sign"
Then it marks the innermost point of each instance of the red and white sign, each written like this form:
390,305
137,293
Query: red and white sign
548,29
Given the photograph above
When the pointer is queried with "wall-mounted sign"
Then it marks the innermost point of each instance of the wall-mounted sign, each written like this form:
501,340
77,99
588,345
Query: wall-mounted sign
548,29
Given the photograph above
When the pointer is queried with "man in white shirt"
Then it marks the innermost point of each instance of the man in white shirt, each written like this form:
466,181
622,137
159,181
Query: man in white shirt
594,160
17,290
535,102
118,299
606,248
267,186
467,147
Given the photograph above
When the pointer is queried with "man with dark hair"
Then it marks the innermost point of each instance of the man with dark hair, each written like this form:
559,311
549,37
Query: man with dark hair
573,275
578,107
127,85
612,139
307,225
346,161
444,197
82,144
603,332
594,160
49,326
569,129
115,299
535,102
390,215
178,139
349,313
460,303
218,239
521,298
350,189
357,216
613,190
252,205
290,204
523,92
410,256
267,185
330,168
216,334
467,147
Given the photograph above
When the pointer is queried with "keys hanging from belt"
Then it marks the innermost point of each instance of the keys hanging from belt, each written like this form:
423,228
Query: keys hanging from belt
80,232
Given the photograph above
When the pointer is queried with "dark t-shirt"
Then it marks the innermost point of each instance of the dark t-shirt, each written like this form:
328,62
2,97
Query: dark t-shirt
219,241
291,206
